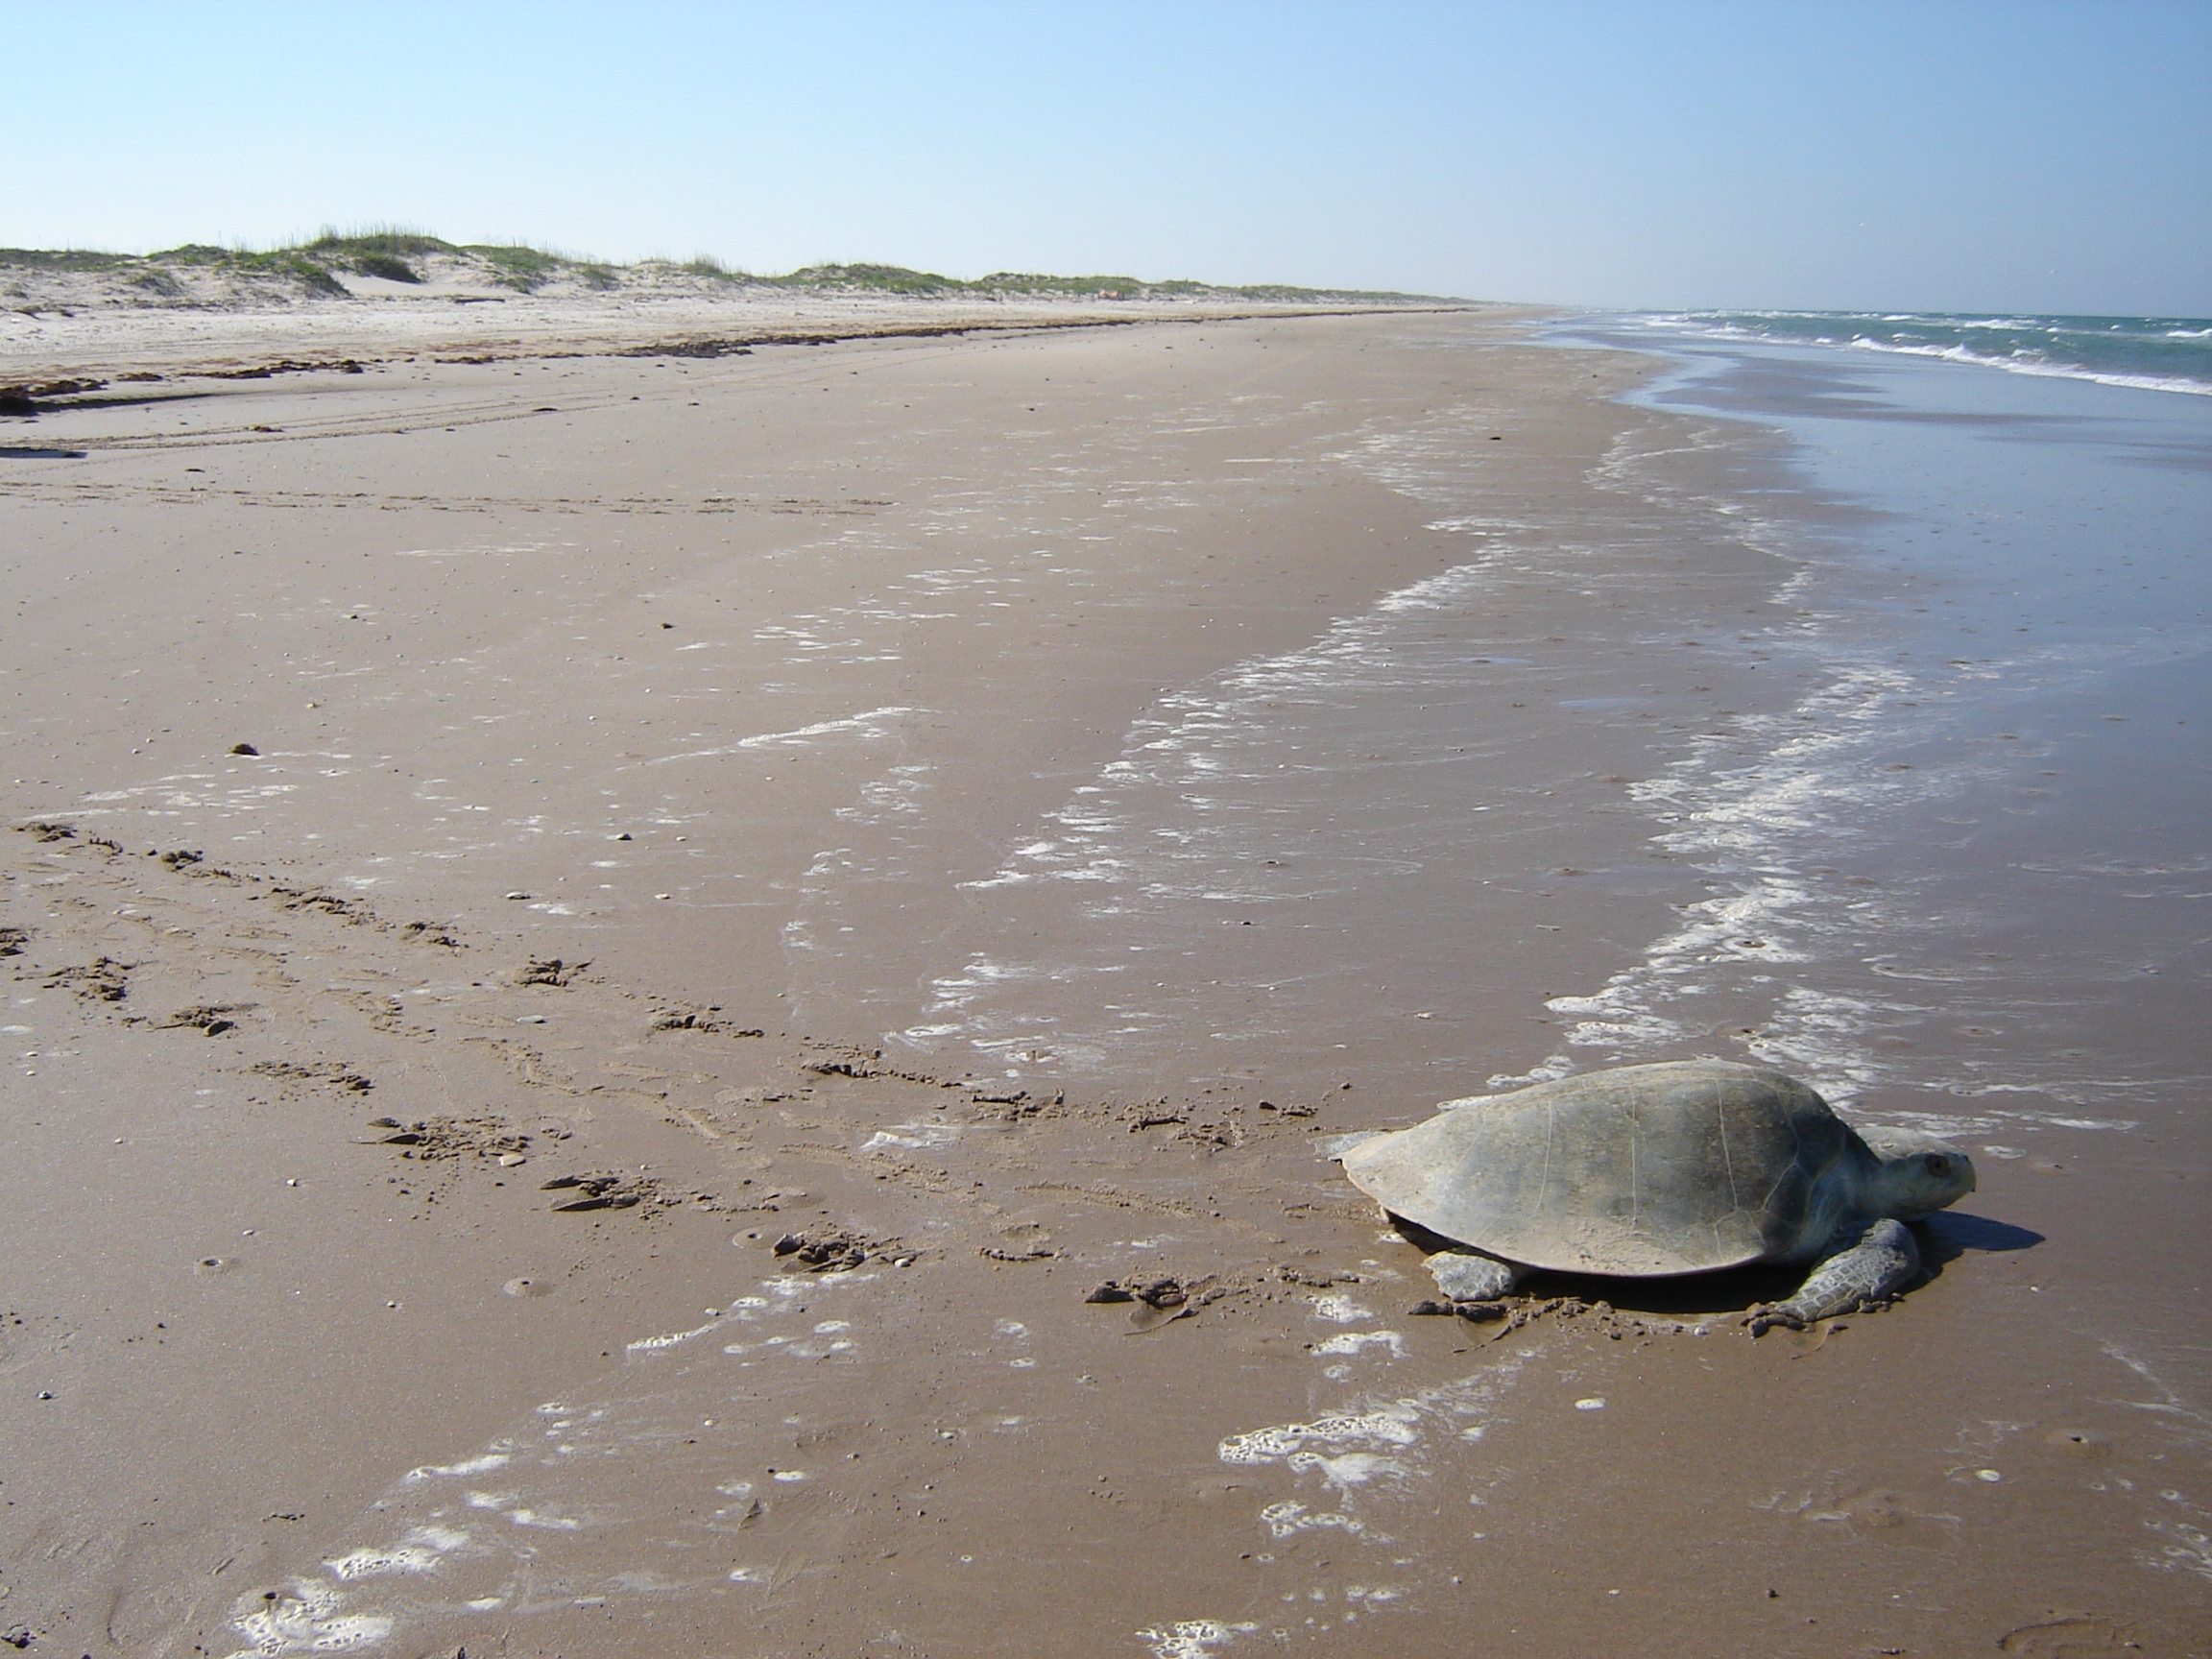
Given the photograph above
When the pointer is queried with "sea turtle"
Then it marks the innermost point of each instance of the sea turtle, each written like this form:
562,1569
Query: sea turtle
1645,1171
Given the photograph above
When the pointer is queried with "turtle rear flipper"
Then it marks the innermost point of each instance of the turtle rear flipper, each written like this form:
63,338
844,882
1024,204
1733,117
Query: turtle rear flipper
1864,1267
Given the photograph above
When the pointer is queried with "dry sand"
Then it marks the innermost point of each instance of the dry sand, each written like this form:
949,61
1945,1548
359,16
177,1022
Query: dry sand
400,1118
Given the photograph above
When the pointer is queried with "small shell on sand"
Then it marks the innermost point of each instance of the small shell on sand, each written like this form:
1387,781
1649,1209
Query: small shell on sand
524,1287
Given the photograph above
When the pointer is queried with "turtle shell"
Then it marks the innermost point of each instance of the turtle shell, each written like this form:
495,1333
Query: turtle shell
1680,1167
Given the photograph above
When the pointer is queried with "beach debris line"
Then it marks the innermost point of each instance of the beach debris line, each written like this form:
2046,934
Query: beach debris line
1652,1171
22,399
286,365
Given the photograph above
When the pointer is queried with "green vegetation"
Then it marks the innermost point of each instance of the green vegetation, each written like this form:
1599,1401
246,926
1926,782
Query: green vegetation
380,250
519,268
868,278
63,259
286,265
1086,287
400,254
387,241
897,279
154,272
706,265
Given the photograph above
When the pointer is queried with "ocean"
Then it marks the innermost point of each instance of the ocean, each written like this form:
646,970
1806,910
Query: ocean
2003,602
2149,353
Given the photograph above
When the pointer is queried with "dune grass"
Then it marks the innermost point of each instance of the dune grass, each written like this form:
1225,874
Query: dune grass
312,267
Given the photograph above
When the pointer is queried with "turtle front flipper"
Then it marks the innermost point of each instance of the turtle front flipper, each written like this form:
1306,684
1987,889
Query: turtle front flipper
1863,1267
1470,1276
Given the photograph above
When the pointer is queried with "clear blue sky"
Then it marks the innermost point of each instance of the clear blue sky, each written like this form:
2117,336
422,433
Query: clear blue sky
1937,154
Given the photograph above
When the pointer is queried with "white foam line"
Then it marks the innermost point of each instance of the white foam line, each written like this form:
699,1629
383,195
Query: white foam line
305,1619
1186,744
1712,329
2043,371
1192,1638
869,724
1351,1447
674,1339
467,552
1351,1342
911,1137
1747,821
483,1464
419,1551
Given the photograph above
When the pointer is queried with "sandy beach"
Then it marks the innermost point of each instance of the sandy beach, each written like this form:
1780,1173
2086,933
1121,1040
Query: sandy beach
614,915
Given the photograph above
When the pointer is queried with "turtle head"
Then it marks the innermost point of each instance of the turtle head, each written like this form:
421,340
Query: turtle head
1918,1174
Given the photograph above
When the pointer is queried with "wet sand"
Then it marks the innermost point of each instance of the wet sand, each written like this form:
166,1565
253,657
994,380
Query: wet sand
922,801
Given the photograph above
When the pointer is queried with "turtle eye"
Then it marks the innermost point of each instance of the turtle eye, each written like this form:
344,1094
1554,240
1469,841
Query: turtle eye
1939,1166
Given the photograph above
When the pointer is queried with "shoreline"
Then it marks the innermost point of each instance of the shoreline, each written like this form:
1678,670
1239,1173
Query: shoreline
816,779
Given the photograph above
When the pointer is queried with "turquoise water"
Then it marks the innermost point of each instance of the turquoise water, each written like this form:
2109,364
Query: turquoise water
2155,354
